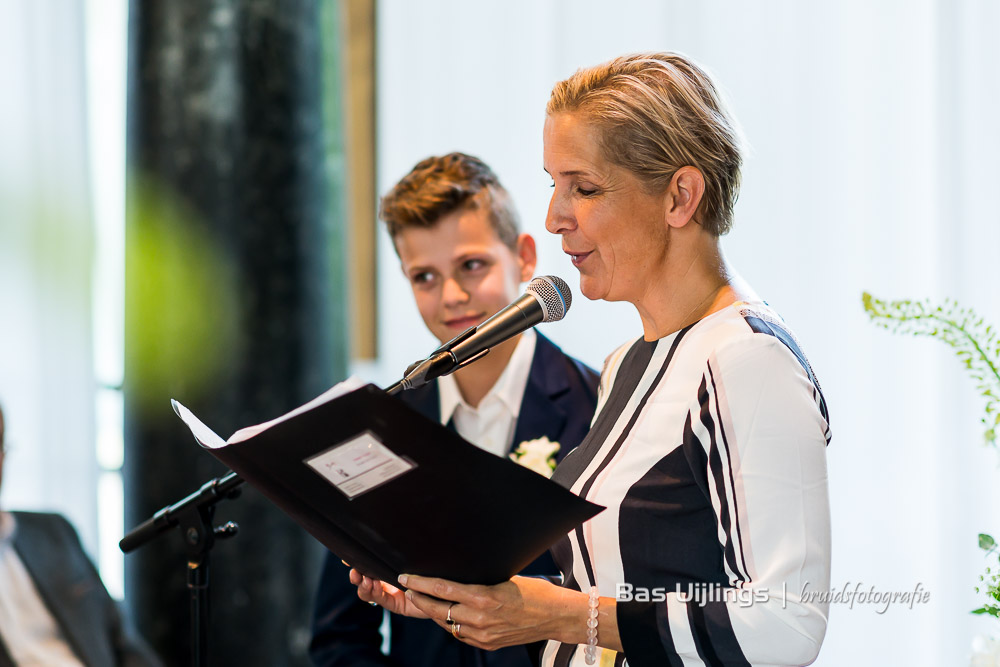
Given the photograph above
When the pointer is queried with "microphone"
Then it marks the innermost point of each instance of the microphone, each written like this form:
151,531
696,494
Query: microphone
547,299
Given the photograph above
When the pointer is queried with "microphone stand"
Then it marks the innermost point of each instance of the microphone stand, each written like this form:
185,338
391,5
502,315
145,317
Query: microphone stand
193,515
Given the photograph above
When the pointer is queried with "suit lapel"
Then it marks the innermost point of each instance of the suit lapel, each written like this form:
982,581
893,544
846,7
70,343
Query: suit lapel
5,659
425,400
36,545
542,412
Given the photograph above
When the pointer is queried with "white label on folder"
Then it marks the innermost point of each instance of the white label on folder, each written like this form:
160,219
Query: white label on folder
359,465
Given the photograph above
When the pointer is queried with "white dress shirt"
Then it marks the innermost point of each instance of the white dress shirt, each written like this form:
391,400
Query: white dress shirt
30,633
490,425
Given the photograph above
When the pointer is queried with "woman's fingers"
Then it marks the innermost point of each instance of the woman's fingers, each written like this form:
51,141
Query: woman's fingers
465,621
444,589
468,605
490,617
433,607
366,588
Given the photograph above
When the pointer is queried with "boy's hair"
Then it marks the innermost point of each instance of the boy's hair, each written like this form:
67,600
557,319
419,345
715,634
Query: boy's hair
439,186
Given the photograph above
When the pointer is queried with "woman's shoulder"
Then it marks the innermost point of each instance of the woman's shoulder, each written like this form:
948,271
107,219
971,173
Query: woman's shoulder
750,330
739,323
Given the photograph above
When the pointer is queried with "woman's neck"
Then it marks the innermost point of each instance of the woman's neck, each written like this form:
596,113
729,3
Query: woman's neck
693,282
475,380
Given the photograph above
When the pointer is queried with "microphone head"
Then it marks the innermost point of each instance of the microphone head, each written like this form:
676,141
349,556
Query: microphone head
554,295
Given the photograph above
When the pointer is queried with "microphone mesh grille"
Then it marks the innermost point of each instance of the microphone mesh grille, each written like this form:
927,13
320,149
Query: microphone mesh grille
555,294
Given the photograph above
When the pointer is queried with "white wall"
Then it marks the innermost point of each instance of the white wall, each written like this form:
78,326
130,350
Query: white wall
46,245
873,167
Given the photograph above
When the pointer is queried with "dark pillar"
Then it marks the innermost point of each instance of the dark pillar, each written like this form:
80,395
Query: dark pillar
234,296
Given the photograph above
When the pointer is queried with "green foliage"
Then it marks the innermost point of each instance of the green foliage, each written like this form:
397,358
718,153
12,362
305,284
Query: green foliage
182,303
991,580
974,342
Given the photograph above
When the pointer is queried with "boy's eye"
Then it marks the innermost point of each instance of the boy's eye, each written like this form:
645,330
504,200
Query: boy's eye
422,278
473,264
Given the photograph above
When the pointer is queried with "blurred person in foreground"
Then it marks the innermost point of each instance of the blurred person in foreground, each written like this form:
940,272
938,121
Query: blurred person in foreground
54,609
709,444
455,230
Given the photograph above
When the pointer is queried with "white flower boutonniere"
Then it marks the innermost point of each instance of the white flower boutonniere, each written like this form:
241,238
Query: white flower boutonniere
538,455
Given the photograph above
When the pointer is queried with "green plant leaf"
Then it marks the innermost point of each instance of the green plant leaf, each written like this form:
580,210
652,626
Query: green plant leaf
972,340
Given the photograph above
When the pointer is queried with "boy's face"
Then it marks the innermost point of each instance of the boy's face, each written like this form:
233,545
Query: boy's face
461,272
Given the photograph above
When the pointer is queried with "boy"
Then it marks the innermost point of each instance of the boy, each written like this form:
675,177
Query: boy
455,230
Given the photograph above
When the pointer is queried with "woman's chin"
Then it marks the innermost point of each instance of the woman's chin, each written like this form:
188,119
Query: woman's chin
591,288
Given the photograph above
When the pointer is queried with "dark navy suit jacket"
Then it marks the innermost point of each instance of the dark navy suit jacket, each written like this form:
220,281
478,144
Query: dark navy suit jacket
73,593
558,403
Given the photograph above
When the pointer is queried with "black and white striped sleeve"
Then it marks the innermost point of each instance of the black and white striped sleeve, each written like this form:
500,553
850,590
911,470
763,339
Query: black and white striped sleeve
755,436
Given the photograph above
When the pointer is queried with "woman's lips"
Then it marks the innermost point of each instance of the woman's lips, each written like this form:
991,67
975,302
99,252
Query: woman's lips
578,257
463,323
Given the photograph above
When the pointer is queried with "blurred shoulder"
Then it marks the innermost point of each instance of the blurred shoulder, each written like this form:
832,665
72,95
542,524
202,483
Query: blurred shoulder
49,525
49,520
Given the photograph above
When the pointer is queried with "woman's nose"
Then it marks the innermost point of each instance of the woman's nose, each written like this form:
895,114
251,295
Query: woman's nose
558,220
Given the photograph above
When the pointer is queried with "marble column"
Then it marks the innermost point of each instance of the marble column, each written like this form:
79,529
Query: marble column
234,295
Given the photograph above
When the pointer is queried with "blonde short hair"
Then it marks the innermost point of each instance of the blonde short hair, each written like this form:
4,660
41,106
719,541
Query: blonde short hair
658,112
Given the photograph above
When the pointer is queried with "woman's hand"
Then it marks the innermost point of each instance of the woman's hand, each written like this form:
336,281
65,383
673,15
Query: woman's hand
518,611
378,592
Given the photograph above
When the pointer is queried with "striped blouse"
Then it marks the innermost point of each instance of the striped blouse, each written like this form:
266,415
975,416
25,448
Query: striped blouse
709,451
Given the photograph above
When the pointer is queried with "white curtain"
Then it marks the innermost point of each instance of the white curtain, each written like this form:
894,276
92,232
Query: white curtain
46,245
873,167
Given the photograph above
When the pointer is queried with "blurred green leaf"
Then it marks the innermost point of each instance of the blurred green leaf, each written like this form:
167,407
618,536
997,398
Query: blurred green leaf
974,342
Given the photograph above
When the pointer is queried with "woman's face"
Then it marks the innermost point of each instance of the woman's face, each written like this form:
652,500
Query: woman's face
614,232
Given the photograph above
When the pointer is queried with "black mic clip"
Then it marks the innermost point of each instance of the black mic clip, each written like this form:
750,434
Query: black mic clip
440,362
422,372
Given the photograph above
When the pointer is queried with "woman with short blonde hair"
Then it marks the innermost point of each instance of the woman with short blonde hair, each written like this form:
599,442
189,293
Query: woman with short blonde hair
709,445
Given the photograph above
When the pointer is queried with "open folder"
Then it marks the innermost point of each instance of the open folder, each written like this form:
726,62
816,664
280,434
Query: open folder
392,492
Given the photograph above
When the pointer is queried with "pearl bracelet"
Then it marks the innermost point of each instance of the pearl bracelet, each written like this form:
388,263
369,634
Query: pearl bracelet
590,653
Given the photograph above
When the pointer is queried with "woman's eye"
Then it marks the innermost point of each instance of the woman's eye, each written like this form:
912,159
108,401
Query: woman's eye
586,192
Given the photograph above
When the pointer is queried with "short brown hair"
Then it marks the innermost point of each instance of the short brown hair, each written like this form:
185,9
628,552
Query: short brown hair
439,186
658,112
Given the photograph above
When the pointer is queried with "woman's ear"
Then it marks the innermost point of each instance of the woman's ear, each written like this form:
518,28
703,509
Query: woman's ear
527,256
684,194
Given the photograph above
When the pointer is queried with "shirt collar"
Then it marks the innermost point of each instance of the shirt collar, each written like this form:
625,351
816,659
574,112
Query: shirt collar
508,389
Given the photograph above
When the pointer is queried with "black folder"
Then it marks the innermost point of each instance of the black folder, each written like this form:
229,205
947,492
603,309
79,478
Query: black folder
391,492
